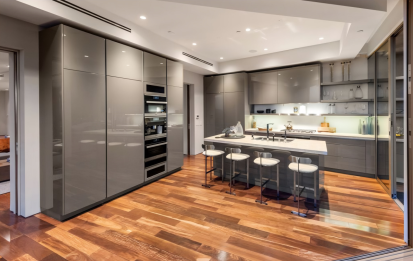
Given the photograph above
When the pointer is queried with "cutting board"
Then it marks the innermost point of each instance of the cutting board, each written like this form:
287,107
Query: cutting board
326,129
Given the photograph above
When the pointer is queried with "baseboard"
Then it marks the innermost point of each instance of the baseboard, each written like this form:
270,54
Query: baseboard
354,173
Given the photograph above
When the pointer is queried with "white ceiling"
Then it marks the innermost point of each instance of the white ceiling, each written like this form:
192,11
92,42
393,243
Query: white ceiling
214,30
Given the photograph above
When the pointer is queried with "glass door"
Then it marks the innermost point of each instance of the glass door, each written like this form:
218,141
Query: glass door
399,117
383,119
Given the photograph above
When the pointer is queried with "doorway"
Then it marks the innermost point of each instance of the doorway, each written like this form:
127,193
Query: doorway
187,119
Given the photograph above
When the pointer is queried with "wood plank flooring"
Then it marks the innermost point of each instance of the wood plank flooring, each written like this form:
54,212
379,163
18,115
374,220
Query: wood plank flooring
177,219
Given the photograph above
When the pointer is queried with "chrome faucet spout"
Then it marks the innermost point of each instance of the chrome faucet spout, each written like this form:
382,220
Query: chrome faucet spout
268,130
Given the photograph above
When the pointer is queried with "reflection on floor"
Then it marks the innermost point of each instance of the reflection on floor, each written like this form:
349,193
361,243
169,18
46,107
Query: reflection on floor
177,219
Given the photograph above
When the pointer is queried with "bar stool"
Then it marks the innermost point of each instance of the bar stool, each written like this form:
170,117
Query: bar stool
265,159
211,152
302,165
234,154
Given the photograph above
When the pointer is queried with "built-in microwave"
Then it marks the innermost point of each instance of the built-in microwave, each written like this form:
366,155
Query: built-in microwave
154,89
154,105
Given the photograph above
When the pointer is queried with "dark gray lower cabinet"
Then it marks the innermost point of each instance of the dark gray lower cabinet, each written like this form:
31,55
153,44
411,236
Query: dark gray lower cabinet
175,138
214,114
125,138
84,131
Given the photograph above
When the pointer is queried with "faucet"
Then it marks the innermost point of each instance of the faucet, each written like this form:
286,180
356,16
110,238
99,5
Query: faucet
268,130
285,135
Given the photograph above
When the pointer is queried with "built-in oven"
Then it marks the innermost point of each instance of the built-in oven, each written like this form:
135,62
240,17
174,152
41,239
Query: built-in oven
155,155
154,89
155,125
155,105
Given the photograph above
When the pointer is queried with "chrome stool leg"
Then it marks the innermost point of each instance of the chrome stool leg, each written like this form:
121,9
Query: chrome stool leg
315,190
295,187
231,172
278,181
222,168
211,165
298,205
260,201
248,174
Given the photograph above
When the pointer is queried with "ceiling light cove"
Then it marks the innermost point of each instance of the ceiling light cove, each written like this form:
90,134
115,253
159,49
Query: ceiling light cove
142,17
321,38
193,43
248,29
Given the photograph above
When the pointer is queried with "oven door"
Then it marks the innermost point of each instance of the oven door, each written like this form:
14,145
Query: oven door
155,149
155,89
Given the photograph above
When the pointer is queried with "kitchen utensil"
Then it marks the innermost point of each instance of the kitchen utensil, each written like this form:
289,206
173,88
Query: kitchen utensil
289,126
264,129
268,111
260,111
325,124
333,130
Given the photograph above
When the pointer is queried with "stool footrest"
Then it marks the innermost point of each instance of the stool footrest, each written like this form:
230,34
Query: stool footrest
263,184
211,170
299,214
231,193
261,202
206,185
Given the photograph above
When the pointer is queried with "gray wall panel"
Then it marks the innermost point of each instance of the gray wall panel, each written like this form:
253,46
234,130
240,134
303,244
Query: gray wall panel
175,74
175,138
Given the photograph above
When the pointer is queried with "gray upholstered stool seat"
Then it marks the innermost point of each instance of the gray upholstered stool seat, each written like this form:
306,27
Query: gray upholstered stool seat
238,156
304,168
213,153
266,162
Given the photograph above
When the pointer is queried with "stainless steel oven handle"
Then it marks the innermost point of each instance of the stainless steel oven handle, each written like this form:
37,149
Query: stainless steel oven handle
157,102
156,145
155,166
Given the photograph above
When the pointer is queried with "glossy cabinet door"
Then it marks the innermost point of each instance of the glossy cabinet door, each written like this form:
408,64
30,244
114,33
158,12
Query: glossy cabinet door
214,114
234,109
84,146
175,138
83,51
154,68
214,84
123,61
263,88
299,84
235,82
125,137
175,74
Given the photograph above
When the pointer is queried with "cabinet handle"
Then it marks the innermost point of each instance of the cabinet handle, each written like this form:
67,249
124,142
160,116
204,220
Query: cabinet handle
156,145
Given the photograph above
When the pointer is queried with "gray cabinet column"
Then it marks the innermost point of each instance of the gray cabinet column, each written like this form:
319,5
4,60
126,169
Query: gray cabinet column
175,158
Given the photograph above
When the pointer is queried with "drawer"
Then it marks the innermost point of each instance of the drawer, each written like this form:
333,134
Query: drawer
345,163
371,157
354,152
333,149
349,142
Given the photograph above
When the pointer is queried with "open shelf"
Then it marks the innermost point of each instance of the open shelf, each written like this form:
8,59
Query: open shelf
346,101
347,82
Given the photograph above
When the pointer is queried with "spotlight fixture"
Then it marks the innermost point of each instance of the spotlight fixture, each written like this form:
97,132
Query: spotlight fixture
248,29
142,17
221,58
265,49
193,43
321,38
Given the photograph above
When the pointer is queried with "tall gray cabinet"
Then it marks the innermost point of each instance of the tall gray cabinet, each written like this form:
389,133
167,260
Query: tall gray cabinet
92,144
125,112
175,118
226,102
73,120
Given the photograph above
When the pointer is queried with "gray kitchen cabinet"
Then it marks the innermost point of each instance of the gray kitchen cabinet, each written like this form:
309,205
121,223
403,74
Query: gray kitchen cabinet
299,84
84,139
154,68
175,132
175,74
83,51
263,88
235,82
371,157
123,61
214,114
214,84
234,109
125,134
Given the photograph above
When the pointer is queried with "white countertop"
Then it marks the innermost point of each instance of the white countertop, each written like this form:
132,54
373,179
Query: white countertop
298,145
320,134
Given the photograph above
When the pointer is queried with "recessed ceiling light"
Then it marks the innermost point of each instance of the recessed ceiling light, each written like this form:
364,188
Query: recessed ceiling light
265,49
143,17
86,56
279,74
161,63
248,29
123,51
221,58
321,38
311,70
193,43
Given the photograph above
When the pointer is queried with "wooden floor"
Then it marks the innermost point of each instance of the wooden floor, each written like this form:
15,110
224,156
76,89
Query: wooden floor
177,219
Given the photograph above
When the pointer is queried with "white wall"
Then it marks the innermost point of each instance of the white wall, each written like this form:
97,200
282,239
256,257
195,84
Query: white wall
196,94
392,21
22,36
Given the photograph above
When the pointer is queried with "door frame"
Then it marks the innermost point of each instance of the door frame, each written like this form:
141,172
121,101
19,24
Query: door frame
14,105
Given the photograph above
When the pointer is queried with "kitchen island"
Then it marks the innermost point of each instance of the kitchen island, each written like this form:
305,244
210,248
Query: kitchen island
280,150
